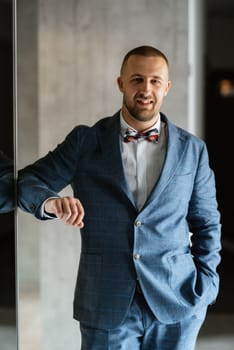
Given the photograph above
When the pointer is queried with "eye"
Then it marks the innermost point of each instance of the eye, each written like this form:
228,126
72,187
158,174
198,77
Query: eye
156,82
137,80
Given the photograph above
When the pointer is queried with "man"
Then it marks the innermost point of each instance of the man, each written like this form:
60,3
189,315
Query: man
6,184
146,206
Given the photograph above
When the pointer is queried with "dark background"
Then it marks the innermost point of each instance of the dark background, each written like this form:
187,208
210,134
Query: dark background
219,115
7,239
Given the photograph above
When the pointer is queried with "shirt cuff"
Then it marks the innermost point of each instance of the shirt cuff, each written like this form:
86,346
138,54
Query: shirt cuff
43,213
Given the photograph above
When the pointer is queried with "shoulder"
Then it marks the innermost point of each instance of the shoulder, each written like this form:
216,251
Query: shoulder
82,131
176,131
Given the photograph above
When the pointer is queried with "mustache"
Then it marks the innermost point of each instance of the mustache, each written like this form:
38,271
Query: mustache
144,98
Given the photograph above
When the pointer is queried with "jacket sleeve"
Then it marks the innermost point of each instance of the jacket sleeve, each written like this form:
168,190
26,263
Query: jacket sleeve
49,175
204,220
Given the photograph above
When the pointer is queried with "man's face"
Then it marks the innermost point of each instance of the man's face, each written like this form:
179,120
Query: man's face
144,83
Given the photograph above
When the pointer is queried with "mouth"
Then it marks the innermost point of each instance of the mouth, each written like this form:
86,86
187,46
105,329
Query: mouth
144,101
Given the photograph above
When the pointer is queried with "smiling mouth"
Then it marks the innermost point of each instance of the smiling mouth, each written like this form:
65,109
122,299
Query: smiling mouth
144,101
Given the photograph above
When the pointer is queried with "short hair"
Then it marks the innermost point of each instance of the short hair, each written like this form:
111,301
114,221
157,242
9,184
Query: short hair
147,51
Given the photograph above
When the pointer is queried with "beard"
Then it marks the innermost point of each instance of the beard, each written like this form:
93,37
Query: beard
140,113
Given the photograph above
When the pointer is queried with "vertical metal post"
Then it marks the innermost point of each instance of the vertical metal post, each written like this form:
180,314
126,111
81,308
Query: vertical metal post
15,141
196,78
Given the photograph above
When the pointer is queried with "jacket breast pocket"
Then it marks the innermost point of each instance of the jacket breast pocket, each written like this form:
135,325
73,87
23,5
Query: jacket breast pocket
179,189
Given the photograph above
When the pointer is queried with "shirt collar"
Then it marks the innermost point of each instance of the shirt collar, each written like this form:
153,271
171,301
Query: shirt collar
124,126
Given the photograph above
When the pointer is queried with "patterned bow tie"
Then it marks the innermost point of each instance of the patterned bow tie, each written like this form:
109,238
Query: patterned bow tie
151,135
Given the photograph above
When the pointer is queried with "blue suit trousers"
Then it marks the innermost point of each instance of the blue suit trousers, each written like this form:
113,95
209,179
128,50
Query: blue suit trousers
141,330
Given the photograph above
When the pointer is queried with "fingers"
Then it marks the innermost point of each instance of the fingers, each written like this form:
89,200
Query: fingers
67,209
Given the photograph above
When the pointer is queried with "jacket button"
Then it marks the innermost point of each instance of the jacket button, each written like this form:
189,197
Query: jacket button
138,223
137,256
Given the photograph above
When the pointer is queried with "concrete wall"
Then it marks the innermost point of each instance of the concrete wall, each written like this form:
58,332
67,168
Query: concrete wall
80,48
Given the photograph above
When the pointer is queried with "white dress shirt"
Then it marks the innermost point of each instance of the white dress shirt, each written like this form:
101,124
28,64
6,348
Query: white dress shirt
142,161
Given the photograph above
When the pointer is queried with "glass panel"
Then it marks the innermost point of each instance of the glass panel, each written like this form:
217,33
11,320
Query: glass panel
69,57
29,327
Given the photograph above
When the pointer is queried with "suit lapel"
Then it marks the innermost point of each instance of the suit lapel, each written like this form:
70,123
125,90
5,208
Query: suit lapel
175,149
108,135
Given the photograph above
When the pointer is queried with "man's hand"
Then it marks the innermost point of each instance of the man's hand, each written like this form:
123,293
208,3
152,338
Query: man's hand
67,209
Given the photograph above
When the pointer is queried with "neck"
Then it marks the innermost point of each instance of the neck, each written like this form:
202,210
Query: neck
139,125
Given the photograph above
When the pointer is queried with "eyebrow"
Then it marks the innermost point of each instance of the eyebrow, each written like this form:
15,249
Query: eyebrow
141,75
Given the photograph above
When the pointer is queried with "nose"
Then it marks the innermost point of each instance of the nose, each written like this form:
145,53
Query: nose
146,86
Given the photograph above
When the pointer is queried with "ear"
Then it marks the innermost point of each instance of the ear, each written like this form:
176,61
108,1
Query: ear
168,87
120,83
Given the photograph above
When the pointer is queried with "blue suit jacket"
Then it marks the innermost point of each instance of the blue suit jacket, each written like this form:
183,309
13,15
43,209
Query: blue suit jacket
177,273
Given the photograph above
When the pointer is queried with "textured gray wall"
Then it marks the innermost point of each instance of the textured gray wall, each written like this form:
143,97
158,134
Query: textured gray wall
81,45
80,48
